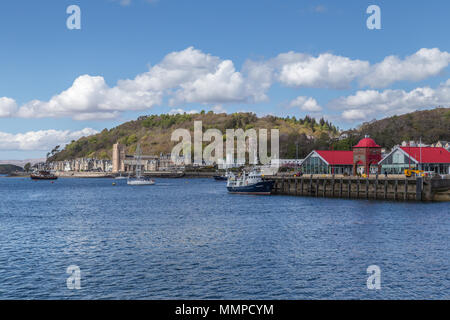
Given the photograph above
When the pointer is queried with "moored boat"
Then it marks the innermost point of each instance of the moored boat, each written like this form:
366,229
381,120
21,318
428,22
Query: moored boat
139,180
219,177
251,183
43,175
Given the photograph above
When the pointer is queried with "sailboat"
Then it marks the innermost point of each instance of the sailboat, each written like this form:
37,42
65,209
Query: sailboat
139,180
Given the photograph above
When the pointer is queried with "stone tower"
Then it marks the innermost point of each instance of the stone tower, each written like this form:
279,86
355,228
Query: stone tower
118,155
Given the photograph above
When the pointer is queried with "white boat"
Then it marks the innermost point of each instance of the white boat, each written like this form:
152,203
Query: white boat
120,177
139,180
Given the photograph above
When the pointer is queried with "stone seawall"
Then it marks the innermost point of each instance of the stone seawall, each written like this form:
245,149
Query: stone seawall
381,188
69,174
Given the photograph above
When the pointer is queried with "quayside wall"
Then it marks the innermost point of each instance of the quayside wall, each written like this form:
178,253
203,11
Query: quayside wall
379,188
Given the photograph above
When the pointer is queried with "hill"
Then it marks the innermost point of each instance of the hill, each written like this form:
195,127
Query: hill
154,132
8,168
429,125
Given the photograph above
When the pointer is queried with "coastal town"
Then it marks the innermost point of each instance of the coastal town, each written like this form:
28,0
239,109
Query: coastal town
224,159
433,158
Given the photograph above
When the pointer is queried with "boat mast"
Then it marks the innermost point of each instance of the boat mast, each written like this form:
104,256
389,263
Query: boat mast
137,157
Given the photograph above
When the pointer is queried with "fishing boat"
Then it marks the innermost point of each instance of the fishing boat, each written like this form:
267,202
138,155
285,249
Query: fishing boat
219,177
139,179
249,183
43,175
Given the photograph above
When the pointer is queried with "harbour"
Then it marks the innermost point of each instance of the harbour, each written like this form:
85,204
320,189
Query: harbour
397,187
191,239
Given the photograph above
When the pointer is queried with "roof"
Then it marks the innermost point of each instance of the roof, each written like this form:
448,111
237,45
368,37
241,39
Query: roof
428,154
367,143
336,157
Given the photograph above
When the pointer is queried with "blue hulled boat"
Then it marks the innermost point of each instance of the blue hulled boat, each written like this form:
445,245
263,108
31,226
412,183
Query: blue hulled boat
251,183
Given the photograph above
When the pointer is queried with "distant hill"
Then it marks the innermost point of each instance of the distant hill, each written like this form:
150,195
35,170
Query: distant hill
154,133
429,125
8,168
22,163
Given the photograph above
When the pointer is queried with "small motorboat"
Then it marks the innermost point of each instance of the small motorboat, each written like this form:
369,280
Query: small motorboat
219,177
43,175
141,181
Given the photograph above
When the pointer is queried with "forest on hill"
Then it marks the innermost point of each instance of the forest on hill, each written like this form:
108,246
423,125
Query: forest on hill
153,133
297,136
429,126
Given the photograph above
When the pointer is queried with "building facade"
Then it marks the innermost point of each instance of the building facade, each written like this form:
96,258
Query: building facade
328,162
430,159
126,163
366,155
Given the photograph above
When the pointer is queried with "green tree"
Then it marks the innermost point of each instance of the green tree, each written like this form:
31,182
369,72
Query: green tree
27,167
131,139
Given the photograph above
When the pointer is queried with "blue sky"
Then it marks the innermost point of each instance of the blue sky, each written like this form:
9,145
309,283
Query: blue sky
328,55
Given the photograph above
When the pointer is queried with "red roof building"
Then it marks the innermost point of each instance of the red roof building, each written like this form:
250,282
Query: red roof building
367,143
428,154
430,159
336,157
366,155
328,162
366,158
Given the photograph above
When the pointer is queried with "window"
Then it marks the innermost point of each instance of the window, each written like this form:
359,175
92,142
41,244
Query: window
398,157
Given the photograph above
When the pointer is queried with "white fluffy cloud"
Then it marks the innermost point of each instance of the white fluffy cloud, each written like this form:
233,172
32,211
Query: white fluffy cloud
8,107
186,76
306,104
181,111
192,76
90,98
331,71
367,104
325,71
40,140
223,85
419,66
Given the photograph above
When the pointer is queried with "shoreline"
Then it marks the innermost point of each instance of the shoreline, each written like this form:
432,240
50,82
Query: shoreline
108,175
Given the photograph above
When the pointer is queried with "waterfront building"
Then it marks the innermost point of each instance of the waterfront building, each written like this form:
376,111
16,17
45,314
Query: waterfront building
328,162
442,144
363,159
433,159
123,162
81,164
413,143
289,163
366,155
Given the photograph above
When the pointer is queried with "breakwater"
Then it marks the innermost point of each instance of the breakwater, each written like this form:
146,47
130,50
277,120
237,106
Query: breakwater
382,188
